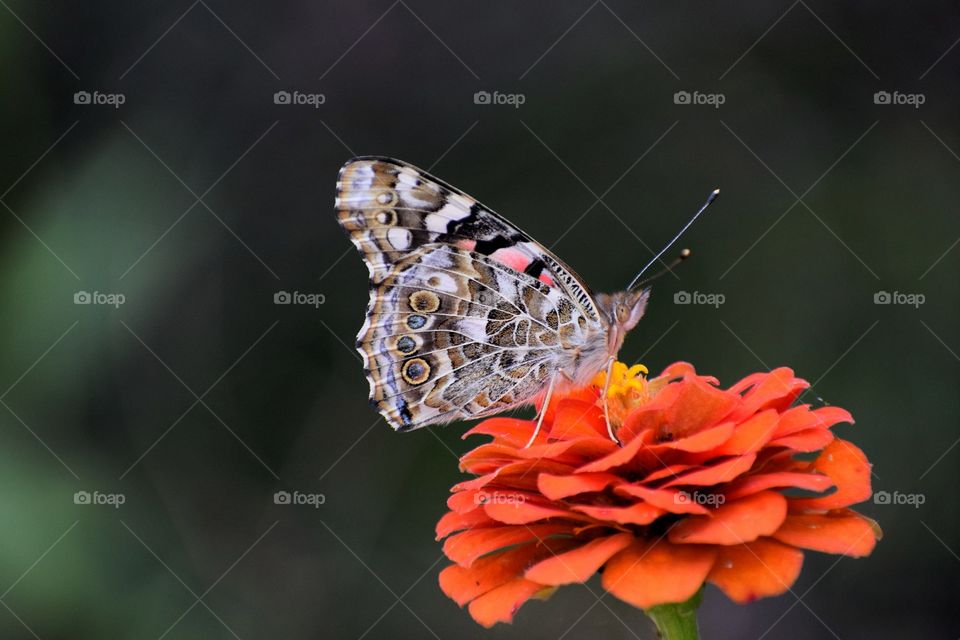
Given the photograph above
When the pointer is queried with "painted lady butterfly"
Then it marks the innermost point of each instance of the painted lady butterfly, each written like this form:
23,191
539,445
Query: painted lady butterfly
468,315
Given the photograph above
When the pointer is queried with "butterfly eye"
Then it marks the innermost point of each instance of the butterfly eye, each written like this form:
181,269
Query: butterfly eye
623,313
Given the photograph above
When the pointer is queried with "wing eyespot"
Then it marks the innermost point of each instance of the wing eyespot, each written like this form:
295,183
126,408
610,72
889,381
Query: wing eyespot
425,301
415,371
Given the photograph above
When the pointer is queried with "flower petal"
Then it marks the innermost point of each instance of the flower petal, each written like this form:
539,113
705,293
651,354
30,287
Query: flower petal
805,441
751,435
502,603
723,471
646,574
698,406
559,487
704,440
775,390
463,584
755,570
781,479
670,500
802,418
849,469
520,511
464,548
735,522
455,521
577,565
508,431
577,419
845,533
640,513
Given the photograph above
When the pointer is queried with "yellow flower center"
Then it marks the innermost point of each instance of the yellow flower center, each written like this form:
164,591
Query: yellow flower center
628,389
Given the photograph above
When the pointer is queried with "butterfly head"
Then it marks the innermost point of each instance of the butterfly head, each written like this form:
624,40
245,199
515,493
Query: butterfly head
621,312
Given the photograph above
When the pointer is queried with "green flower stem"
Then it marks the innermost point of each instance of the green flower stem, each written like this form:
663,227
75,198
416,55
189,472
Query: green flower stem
677,621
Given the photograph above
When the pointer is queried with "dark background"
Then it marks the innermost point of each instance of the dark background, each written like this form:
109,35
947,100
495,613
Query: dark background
199,198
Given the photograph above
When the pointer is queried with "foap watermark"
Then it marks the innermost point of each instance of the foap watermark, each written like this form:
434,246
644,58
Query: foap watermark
297,98
499,497
702,499
899,297
896,498
99,98
512,99
98,498
698,98
99,297
298,498
896,98
698,297
296,297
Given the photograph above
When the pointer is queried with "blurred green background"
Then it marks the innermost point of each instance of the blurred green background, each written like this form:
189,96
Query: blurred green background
200,197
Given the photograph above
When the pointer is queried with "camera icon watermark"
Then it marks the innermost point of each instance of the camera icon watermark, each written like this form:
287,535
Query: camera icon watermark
297,98
115,500
896,98
297,498
702,499
896,498
97,98
697,98
297,297
697,297
514,100
900,298
499,497
99,298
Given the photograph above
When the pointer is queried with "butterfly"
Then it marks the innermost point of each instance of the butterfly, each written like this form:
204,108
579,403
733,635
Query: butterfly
468,315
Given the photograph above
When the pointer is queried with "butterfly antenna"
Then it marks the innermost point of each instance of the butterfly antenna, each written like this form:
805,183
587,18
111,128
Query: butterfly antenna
686,253
710,199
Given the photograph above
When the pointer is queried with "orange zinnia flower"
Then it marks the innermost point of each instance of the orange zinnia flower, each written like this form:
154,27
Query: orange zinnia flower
695,494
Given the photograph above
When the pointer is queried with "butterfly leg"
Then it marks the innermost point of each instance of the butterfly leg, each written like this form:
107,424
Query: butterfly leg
543,409
606,408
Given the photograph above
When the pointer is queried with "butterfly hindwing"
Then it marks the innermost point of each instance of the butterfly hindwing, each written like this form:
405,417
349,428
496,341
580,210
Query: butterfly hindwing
452,334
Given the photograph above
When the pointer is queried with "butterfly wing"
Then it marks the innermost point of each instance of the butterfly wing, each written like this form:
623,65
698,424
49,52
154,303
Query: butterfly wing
453,334
468,316
391,208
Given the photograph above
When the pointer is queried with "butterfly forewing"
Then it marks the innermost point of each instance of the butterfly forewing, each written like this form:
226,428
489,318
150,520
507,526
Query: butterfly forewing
468,316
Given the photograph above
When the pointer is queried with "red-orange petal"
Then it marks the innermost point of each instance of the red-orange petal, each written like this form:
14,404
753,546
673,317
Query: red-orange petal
646,573
703,440
750,436
502,603
780,479
560,487
805,441
671,500
734,523
463,548
463,584
719,472
521,511
698,406
577,565
640,513
845,533
802,418
776,390
849,469
756,569
454,521
509,431
577,419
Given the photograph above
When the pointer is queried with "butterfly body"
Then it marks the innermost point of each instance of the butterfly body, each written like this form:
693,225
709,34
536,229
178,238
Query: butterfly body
468,316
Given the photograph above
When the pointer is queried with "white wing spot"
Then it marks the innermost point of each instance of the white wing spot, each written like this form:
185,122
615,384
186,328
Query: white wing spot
399,239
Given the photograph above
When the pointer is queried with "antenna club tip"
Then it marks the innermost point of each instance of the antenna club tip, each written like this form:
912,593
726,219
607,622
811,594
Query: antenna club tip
686,253
716,192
